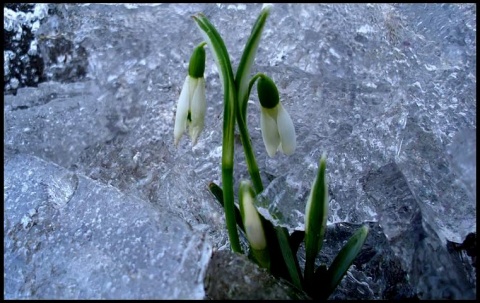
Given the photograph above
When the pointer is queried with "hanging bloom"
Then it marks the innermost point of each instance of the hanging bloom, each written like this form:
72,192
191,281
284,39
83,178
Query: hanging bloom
192,104
278,131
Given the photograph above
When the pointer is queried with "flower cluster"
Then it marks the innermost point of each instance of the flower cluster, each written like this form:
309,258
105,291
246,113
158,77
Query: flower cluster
271,247
278,131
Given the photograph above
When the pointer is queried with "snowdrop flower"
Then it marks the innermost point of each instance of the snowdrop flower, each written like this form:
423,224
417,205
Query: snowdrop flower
192,104
278,131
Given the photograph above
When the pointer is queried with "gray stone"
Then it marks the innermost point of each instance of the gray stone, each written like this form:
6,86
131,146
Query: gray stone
376,274
232,276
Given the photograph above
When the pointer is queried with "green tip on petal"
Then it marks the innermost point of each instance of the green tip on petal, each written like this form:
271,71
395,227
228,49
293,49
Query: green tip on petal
267,92
196,67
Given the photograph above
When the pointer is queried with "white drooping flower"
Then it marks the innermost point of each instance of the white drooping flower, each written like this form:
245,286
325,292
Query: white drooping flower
191,109
278,132
192,103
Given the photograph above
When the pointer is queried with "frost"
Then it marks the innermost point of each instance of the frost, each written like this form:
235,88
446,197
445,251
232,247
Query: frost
365,29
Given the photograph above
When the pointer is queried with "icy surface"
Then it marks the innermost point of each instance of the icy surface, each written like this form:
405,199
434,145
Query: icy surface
462,151
427,262
370,85
68,237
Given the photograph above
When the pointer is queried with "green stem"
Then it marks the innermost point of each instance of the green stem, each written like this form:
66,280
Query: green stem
218,193
249,154
243,107
222,59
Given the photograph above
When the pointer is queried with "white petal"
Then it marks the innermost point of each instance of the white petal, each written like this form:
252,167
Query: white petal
182,112
270,135
288,139
192,84
198,107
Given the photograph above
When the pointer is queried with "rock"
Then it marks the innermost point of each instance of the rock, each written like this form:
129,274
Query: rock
465,255
376,273
232,276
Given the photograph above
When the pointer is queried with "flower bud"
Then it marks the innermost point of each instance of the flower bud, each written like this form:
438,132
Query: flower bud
253,225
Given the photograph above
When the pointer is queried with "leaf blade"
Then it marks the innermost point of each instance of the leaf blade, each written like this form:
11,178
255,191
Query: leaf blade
344,260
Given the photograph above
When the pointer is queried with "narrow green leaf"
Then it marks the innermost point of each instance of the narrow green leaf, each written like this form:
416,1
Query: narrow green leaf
241,82
278,267
288,256
343,261
248,56
316,213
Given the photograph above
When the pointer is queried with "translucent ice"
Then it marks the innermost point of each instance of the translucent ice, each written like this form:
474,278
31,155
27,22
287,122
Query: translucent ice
101,244
370,85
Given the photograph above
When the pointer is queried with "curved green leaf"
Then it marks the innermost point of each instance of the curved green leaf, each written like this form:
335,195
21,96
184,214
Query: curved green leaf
316,213
248,57
288,256
241,83
344,260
